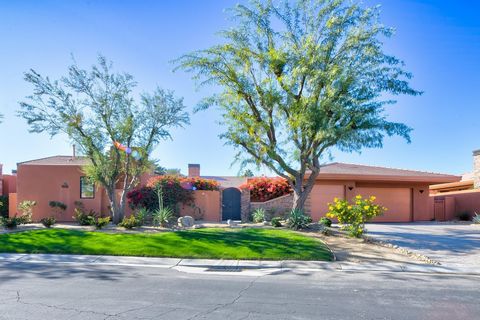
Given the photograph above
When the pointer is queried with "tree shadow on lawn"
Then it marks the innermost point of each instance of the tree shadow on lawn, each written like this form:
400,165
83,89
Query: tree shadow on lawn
258,242
206,243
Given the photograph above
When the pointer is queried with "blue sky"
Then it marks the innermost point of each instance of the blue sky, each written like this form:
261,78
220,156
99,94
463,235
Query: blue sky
438,40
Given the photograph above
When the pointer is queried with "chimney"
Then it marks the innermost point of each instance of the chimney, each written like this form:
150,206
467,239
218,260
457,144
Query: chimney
194,170
476,168
74,153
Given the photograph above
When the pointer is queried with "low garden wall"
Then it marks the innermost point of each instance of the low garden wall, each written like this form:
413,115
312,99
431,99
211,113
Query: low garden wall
206,206
278,206
461,201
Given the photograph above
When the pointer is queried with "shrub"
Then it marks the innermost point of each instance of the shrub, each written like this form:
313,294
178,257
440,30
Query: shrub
258,215
264,188
172,191
129,223
4,206
102,222
162,216
26,209
11,223
197,183
476,218
463,216
48,222
353,216
298,220
58,207
276,222
83,217
142,215
326,222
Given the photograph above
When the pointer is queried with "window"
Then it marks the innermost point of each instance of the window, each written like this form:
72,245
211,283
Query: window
87,188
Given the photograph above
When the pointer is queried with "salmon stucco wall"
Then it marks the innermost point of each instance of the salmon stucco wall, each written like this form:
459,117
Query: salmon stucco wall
9,184
206,206
457,202
45,183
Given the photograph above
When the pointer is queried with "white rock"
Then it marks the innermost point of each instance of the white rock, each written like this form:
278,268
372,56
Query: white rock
186,221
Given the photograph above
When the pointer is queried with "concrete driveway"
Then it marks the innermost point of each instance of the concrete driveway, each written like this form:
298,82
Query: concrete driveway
454,244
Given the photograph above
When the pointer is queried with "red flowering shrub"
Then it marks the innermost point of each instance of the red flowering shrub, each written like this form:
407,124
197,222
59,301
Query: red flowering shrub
201,184
264,188
175,190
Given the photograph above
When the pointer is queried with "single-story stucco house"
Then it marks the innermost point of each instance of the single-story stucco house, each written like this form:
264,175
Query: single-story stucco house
404,192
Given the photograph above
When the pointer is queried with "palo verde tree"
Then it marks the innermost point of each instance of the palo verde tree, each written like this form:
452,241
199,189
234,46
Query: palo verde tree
96,108
298,79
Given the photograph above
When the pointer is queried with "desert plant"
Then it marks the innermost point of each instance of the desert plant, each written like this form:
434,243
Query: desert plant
463,215
325,221
297,219
476,218
3,206
129,223
142,215
276,222
102,222
258,215
83,217
48,222
162,217
352,216
26,209
57,207
11,222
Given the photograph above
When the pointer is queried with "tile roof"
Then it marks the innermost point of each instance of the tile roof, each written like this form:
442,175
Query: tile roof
228,182
338,168
58,161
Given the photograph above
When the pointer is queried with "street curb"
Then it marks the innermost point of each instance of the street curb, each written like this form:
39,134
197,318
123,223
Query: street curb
229,266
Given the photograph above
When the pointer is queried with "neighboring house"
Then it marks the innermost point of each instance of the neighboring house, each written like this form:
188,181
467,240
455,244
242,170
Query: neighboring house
8,182
447,200
57,178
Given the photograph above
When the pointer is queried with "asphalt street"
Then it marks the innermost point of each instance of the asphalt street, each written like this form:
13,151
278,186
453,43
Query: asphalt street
53,291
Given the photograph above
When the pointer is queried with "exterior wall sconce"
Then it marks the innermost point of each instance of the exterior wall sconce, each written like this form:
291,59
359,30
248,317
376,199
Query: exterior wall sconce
65,185
421,191
350,188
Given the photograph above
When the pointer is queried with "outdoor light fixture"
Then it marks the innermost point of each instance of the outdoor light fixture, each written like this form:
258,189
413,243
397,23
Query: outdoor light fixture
421,191
350,188
65,185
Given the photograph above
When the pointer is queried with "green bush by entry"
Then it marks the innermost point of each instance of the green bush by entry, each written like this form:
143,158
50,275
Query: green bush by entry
258,215
276,222
48,222
325,221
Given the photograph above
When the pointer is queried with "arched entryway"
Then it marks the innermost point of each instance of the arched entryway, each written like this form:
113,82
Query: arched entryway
231,204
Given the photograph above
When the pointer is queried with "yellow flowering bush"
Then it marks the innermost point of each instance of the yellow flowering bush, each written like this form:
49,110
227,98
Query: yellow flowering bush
353,215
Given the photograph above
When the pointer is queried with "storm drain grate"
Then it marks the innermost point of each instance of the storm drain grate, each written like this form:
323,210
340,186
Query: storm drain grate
223,269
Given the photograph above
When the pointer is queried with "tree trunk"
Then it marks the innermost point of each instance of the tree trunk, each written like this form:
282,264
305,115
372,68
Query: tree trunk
302,189
115,207
299,198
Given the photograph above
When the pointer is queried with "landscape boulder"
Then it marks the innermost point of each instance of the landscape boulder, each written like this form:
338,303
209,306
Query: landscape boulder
186,222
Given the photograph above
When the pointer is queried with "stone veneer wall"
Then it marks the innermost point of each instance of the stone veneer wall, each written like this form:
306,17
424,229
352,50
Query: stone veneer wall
245,204
279,205
476,169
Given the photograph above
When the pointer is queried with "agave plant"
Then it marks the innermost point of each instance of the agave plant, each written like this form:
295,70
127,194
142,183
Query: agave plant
163,215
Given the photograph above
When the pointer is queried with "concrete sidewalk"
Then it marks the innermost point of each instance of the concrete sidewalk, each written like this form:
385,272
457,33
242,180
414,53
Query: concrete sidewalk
232,267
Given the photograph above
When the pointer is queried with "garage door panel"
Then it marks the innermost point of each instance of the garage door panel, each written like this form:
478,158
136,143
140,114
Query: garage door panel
396,200
321,195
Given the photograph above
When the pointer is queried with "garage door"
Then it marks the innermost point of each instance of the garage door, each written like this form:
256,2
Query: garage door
396,200
321,195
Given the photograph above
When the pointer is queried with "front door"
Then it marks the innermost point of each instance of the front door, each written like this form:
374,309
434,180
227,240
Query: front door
231,204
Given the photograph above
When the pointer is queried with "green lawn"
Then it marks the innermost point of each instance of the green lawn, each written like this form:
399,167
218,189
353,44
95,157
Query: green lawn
266,244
